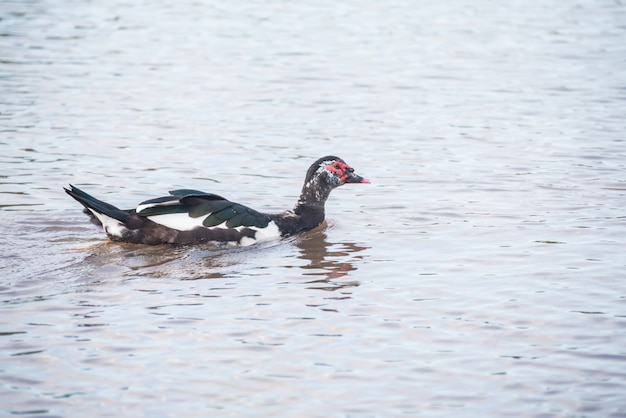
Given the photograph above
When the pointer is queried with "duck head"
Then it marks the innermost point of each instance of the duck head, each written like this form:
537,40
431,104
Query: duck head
323,176
334,171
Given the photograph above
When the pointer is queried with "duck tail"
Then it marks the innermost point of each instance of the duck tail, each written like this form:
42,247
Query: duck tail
97,208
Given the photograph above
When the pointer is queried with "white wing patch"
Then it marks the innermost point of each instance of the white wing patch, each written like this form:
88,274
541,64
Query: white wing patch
179,221
143,206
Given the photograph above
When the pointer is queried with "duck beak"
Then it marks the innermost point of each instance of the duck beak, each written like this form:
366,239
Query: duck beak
355,178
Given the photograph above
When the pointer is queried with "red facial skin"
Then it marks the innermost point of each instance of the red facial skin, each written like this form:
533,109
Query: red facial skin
345,172
340,170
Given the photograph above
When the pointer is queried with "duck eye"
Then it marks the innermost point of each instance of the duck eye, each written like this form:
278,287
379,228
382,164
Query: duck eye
337,166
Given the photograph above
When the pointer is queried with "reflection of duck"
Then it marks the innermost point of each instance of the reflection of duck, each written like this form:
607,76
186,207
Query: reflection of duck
328,263
192,217
328,260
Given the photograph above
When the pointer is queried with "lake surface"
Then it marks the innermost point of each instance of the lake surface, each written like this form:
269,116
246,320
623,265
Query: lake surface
482,273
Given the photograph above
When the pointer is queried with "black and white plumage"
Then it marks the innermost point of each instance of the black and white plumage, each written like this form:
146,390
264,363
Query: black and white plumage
191,216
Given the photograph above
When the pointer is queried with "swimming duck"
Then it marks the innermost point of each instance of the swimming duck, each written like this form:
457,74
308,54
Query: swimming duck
190,216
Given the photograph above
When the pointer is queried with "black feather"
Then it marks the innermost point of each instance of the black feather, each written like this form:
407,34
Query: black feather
207,207
91,203
158,200
185,192
197,198
163,210
212,220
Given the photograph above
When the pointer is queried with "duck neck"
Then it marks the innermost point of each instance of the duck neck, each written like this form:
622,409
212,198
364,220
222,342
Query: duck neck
308,212
313,195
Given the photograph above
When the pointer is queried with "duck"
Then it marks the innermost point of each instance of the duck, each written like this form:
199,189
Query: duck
187,216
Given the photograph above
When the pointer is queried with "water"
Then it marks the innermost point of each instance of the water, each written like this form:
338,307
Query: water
480,274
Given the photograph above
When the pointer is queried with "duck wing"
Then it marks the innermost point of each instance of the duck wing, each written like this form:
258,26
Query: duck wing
187,209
